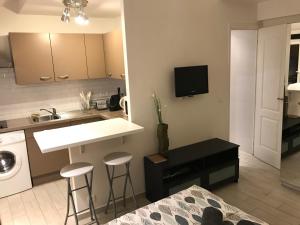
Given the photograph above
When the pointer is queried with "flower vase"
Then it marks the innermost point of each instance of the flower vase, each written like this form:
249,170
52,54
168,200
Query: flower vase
163,139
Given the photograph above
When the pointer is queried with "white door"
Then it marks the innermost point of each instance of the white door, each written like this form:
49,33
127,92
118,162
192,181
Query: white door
242,88
272,65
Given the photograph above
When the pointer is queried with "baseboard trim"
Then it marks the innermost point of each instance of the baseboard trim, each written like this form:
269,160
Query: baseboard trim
46,178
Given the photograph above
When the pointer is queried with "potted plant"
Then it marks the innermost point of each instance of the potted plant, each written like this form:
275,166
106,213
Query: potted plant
162,128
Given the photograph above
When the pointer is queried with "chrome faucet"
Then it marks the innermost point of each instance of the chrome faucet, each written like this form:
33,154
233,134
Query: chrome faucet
53,112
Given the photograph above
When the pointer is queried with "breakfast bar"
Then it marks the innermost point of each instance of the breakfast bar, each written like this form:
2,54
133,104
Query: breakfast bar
89,143
83,134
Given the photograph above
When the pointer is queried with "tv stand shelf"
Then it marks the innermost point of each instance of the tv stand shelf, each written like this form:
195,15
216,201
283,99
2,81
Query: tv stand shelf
208,164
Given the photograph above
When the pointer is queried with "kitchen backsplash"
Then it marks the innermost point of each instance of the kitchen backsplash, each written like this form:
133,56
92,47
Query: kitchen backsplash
21,101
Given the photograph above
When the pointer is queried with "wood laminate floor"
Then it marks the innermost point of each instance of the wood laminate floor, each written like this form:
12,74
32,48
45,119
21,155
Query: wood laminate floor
290,170
258,192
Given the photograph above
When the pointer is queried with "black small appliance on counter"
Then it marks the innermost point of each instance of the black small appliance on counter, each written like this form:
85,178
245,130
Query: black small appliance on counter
3,124
113,102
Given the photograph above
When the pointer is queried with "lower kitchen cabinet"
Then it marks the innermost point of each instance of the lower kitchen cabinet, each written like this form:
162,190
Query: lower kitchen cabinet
42,164
44,167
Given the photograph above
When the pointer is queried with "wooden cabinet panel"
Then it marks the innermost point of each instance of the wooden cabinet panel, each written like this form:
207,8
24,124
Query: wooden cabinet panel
43,164
95,55
113,51
32,57
69,59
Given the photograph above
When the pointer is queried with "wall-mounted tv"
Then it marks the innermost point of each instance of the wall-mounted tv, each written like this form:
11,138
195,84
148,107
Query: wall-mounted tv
191,80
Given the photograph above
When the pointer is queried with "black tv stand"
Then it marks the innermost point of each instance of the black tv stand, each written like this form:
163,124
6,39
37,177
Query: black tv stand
209,164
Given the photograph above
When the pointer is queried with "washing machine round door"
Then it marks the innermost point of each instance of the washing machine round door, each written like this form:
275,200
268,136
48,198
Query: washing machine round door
9,164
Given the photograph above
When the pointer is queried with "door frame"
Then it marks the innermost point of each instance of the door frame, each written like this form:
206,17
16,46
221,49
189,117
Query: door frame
251,27
245,27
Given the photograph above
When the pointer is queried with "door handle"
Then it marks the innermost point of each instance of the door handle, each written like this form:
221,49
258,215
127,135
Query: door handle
280,99
45,78
63,77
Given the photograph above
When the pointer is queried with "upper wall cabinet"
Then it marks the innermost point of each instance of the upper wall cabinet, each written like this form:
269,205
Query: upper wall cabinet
69,59
114,57
95,55
32,57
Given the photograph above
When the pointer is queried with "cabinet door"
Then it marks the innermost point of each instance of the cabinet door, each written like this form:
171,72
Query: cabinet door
69,58
113,51
95,55
32,57
43,164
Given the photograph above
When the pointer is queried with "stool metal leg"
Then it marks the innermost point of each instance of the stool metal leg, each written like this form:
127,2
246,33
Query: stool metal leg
90,199
130,182
68,204
111,193
90,184
124,191
72,201
109,196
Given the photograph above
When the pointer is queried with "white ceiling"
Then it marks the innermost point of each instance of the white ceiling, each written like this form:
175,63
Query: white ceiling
95,8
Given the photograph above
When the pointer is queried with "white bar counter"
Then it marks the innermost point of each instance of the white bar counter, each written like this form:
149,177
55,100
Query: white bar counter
79,135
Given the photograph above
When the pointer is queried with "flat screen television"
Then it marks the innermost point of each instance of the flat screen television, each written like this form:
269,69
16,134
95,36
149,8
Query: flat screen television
191,80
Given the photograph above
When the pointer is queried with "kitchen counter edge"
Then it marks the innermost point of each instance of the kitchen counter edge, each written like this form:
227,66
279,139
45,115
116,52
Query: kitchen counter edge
72,116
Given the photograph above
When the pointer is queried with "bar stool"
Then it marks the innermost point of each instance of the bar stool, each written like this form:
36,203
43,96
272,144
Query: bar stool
113,160
76,170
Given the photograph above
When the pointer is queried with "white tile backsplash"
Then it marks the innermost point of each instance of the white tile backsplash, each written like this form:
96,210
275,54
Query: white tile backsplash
21,101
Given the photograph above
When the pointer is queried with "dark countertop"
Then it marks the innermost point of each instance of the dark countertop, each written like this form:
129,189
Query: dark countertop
77,115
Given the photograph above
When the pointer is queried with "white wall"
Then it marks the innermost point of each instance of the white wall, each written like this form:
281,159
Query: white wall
180,33
159,36
12,22
242,88
277,8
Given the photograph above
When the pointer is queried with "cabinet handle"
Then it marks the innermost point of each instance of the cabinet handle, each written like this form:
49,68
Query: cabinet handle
280,99
63,77
122,76
109,75
45,78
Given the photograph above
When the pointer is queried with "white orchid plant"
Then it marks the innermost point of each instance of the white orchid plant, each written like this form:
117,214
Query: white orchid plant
157,107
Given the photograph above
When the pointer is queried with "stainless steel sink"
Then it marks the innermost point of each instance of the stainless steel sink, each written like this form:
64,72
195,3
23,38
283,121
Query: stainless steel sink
45,118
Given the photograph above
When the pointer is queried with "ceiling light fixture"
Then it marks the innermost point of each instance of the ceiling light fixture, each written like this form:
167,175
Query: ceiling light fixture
66,15
78,7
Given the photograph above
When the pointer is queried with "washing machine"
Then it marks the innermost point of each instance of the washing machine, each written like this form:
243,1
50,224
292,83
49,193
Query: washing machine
14,167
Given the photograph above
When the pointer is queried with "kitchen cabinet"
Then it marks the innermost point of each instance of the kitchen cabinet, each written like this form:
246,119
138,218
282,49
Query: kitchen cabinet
95,55
114,56
43,165
32,58
69,59
43,57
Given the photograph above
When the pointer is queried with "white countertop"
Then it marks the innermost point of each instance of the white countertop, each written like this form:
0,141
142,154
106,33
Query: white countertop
78,135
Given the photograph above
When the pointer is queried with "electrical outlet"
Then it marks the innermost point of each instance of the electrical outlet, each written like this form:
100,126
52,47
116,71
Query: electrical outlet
82,149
